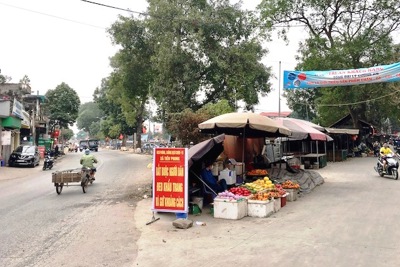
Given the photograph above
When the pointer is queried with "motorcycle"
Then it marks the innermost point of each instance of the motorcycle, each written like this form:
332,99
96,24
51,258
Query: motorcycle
48,162
392,166
87,177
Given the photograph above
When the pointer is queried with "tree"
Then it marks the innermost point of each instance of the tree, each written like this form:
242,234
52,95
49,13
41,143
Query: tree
66,134
342,35
89,113
4,78
62,106
184,125
128,87
208,48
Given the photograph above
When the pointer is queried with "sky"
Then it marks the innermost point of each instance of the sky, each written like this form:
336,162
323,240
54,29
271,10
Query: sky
55,41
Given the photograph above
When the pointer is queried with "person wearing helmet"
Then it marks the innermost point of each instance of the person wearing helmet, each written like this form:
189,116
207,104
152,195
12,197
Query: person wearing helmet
88,160
385,150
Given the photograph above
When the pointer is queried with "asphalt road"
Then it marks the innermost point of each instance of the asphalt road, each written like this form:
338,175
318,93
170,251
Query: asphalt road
350,220
41,228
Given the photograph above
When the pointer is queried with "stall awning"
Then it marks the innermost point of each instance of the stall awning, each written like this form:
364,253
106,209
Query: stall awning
11,122
301,130
342,131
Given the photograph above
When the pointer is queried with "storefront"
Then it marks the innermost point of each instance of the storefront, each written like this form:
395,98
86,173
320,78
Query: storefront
10,137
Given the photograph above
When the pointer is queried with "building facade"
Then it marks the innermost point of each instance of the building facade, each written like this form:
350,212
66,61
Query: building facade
21,119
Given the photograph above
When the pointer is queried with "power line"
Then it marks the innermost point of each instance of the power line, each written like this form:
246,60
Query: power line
114,7
53,16
147,14
358,102
353,103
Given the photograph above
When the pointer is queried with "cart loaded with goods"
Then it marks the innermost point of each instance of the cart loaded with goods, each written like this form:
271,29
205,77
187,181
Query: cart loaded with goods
81,176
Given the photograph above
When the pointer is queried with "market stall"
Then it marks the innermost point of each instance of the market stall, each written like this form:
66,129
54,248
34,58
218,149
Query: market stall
266,194
243,125
304,132
339,149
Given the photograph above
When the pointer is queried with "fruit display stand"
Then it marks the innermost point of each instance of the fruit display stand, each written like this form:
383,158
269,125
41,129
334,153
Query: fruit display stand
260,208
230,209
292,194
292,189
277,204
256,174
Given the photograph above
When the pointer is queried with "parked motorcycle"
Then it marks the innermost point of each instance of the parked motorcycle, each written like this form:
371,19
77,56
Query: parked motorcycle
392,166
48,162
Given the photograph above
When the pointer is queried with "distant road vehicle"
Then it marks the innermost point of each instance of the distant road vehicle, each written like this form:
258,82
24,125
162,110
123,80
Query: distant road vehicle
93,144
83,144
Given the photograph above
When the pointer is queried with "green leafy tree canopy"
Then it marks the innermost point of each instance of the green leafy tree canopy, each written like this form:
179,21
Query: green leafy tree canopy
62,106
342,35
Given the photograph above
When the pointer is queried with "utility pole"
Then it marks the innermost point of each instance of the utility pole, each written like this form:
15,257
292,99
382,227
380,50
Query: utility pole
279,90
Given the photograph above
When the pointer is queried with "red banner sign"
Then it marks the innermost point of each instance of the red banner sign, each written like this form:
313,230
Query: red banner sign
170,179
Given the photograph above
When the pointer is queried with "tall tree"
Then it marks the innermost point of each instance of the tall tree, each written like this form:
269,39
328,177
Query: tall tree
129,84
205,48
89,113
4,78
343,34
62,106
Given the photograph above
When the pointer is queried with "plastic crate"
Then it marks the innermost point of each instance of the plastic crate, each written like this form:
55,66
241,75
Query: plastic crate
258,208
230,209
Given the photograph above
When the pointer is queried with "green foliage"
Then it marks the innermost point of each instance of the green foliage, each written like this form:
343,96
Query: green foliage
89,113
184,125
124,94
95,130
206,48
66,134
62,106
82,135
213,110
342,35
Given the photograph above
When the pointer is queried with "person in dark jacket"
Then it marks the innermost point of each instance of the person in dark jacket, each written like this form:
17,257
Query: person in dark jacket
210,180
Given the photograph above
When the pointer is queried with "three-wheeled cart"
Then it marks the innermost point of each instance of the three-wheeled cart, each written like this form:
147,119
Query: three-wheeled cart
64,178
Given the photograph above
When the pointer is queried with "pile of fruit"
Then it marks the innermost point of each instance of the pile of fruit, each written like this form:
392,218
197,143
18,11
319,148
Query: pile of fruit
280,190
257,172
288,184
260,185
229,196
262,196
240,191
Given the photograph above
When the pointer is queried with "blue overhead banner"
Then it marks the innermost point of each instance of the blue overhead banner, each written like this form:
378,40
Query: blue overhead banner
331,78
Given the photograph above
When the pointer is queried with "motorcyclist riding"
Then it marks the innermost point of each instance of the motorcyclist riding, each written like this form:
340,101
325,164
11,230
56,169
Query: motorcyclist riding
87,161
384,151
